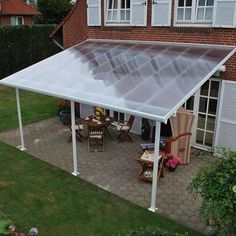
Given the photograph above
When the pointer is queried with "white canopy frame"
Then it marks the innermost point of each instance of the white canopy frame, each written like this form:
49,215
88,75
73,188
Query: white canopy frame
75,172
13,81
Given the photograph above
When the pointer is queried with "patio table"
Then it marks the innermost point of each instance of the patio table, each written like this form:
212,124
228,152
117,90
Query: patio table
102,122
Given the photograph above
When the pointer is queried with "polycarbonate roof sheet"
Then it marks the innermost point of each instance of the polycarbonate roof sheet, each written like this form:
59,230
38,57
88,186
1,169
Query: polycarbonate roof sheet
150,80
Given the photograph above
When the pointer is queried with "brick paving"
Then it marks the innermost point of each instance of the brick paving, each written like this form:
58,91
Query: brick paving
115,170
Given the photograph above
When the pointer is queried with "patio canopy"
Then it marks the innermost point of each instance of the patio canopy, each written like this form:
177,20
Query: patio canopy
147,79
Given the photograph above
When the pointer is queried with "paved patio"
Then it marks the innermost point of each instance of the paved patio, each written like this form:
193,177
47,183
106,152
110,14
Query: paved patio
115,170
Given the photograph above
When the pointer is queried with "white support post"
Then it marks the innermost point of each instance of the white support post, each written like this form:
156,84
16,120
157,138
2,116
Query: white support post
75,163
22,146
153,207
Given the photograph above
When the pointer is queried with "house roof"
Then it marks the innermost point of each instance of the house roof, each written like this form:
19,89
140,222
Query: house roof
17,7
146,79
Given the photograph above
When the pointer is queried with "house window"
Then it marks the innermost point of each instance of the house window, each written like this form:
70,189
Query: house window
118,12
204,10
17,20
194,11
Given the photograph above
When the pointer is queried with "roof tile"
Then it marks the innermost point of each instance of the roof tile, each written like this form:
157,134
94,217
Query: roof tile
17,7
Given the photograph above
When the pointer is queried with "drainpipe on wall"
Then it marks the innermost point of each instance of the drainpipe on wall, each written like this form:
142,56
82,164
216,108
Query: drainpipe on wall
58,44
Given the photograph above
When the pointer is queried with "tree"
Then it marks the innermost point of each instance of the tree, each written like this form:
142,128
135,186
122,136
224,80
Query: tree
54,11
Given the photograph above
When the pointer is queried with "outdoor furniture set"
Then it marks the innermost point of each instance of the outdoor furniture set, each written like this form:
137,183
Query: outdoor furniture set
97,126
173,150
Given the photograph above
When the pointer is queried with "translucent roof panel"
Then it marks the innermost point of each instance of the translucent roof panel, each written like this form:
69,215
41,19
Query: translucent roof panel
149,79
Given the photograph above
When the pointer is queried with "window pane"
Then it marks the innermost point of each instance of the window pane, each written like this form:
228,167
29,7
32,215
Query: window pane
209,139
208,15
199,138
203,105
214,89
122,116
181,3
115,4
13,20
204,89
109,4
200,14
122,3
188,3
127,15
188,13
210,123
114,17
180,14
189,103
107,112
109,13
122,15
20,21
201,121
127,3
116,118
201,3
212,106
210,2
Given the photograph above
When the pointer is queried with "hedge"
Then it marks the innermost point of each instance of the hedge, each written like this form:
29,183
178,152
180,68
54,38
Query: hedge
22,46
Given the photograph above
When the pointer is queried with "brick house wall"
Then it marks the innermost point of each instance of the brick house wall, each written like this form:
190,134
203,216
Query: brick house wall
6,20
75,30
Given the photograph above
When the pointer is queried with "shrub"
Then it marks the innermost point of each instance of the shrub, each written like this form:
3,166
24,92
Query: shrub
215,184
22,46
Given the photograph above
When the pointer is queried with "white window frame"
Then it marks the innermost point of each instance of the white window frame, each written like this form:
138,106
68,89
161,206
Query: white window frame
193,22
205,8
17,19
116,23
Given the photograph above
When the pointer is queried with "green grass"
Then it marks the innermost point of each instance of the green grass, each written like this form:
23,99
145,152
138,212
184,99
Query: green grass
36,193
34,107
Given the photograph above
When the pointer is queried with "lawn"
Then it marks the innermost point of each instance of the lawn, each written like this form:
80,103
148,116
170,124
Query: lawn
34,193
34,107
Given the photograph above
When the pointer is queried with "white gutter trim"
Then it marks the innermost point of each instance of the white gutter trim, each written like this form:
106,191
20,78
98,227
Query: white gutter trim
58,44
220,46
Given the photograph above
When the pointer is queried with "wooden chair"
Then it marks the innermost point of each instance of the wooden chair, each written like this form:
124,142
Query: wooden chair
96,139
179,145
78,129
124,128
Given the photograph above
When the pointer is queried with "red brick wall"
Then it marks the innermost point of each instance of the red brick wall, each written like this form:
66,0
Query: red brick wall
75,30
28,20
6,20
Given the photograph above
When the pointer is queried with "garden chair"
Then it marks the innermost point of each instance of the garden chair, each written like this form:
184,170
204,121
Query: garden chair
181,126
179,145
96,139
124,128
78,129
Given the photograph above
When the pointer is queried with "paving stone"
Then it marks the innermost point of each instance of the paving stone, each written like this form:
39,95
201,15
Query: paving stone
115,169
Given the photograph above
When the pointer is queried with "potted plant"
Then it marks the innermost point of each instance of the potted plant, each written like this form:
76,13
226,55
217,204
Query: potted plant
172,161
64,111
215,184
